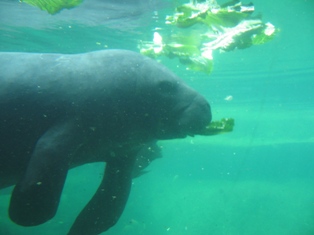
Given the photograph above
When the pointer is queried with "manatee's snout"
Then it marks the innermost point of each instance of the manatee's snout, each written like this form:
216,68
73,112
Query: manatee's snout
196,117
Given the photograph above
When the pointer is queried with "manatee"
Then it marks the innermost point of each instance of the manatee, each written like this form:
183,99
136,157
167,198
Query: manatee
60,111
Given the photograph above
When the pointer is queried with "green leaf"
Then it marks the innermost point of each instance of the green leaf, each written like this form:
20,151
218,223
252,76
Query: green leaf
220,127
53,6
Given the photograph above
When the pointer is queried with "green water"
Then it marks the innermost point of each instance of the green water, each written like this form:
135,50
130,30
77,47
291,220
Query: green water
258,180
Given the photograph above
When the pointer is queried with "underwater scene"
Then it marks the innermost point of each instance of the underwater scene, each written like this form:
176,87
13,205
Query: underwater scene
252,61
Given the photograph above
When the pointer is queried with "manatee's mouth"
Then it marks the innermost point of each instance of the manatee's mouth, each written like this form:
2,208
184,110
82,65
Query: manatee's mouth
195,129
194,119
189,120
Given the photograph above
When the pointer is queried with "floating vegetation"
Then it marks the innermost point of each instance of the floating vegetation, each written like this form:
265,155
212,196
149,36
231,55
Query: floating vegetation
212,27
53,6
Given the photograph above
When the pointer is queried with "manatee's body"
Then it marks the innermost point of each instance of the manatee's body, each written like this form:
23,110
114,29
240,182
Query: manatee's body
61,111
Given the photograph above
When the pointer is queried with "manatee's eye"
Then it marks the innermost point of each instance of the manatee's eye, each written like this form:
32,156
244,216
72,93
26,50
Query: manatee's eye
167,86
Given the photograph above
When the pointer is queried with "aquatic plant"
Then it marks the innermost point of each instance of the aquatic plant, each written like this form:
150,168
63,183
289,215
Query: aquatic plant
212,27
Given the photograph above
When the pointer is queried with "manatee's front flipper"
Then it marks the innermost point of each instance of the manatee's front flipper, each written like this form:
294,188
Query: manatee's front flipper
147,153
107,205
36,197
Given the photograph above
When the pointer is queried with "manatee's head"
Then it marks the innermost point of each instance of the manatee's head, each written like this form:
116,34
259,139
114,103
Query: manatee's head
184,112
178,109
195,117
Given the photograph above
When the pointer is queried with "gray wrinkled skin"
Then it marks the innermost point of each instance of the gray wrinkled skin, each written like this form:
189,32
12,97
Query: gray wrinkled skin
61,111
